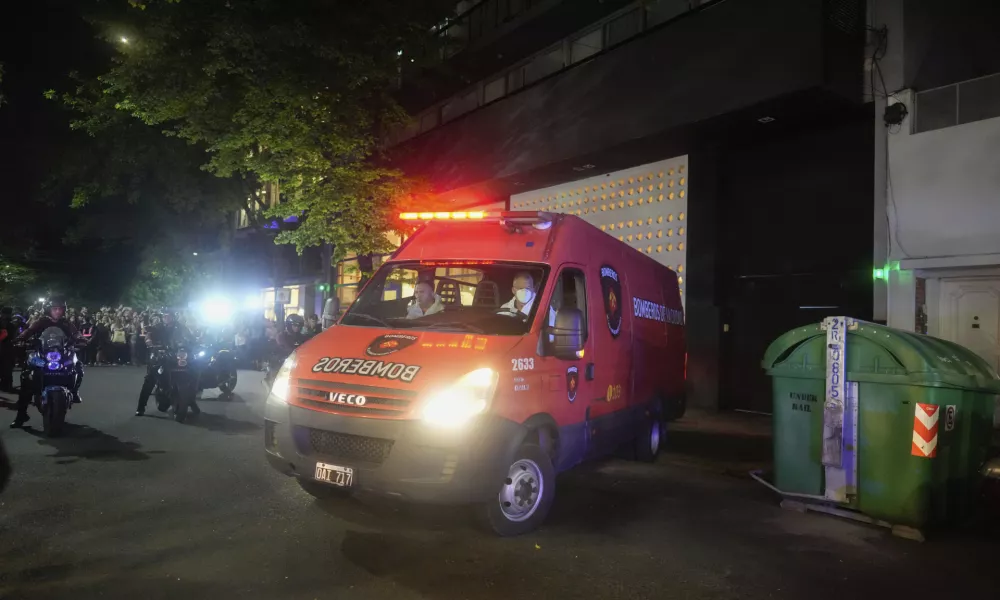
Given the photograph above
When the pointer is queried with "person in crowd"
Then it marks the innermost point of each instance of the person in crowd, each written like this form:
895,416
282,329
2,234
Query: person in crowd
241,344
119,342
102,341
138,343
87,331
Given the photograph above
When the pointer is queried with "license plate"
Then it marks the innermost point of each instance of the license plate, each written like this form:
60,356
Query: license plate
335,474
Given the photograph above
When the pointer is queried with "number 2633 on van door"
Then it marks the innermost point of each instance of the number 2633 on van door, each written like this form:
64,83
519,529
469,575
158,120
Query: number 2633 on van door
522,364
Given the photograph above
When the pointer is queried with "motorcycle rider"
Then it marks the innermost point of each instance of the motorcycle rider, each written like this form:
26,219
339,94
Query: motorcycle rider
55,316
165,333
293,335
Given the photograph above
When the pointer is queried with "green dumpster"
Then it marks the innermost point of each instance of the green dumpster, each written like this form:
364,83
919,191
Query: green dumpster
916,427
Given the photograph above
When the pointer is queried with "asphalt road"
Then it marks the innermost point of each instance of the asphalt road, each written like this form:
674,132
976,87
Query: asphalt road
127,507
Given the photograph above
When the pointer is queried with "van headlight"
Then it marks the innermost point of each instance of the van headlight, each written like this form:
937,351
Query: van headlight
456,405
279,389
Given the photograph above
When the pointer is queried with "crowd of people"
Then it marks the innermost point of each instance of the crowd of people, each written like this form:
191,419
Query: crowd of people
117,336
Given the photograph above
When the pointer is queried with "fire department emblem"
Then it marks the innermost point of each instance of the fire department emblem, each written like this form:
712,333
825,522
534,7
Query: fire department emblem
389,343
572,383
611,289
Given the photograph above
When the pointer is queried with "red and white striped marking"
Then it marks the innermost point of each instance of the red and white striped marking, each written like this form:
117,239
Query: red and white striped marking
925,430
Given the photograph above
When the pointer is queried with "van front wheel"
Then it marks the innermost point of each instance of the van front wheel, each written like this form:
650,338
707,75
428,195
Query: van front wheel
525,495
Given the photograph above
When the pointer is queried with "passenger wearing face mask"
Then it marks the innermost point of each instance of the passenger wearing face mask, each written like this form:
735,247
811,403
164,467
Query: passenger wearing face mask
524,297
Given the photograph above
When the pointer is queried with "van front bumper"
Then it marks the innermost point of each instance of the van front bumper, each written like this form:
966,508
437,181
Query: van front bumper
405,459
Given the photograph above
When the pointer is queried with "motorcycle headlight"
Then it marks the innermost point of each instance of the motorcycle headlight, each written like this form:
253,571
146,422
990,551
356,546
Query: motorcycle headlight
182,355
53,356
54,366
201,354
279,389
455,406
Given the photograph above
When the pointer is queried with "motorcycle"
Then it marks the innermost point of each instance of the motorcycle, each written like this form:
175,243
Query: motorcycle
53,361
177,385
216,369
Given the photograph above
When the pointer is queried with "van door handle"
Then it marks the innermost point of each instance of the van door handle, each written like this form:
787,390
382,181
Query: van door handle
589,372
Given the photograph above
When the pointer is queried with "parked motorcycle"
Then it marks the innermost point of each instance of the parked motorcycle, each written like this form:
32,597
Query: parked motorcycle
177,386
53,359
216,369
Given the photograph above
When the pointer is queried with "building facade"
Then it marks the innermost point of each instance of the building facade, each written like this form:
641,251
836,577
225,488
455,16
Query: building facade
941,192
728,139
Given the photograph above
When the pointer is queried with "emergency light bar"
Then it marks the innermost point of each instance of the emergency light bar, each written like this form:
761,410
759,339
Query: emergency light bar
505,217
442,216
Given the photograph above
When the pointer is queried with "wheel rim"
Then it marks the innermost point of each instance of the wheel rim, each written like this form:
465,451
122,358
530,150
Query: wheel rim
654,437
521,491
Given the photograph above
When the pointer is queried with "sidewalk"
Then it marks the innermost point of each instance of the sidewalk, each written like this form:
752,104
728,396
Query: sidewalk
733,443
730,442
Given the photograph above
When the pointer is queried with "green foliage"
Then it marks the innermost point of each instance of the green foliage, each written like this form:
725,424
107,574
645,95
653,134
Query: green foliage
162,282
288,91
14,280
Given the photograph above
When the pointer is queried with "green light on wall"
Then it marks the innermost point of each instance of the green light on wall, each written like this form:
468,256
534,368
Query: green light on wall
883,272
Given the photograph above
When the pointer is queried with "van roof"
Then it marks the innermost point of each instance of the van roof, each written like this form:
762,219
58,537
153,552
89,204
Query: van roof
487,239
497,239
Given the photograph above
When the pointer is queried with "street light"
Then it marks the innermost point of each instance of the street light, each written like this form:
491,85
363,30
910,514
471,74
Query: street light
123,39
41,300
194,254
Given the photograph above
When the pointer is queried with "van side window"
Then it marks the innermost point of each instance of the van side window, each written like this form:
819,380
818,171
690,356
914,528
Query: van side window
570,292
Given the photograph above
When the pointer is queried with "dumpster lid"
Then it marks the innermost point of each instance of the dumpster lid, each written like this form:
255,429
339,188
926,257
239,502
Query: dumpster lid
882,354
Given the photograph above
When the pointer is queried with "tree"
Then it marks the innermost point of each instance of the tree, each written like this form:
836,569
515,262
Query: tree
14,280
287,92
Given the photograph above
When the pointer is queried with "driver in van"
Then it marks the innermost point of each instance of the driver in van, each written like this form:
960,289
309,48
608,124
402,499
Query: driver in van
55,317
426,301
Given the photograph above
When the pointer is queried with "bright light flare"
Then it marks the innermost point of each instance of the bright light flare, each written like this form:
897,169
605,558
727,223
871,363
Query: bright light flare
252,302
216,310
455,406
123,40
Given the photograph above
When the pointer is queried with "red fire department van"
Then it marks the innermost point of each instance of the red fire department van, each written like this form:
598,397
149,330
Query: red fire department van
488,354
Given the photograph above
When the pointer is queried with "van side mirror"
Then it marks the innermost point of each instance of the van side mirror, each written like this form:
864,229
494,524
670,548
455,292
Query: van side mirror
564,340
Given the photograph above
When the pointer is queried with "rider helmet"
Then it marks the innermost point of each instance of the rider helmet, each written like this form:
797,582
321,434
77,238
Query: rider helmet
56,307
294,321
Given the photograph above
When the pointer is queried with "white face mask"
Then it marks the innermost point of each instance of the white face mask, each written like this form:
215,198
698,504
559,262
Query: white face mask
524,295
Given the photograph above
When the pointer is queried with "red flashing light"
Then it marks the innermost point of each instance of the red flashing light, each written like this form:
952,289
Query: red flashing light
443,216
455,263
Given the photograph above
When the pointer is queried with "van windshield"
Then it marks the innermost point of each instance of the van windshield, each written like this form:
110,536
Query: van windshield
451,295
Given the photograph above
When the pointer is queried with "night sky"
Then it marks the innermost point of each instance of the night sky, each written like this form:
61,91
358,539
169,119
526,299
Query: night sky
40,45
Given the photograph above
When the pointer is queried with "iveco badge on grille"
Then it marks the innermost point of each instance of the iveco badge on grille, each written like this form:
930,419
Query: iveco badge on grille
350,399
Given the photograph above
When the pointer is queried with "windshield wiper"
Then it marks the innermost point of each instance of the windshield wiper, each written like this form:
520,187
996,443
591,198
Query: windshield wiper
458,324
371,318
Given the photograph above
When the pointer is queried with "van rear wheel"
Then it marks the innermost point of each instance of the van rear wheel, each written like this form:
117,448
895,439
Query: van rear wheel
525,495
650,439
